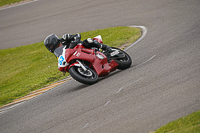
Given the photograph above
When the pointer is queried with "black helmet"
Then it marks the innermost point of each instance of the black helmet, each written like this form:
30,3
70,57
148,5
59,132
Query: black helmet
51,42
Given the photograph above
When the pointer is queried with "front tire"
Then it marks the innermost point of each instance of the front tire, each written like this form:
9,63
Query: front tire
125,62
86,77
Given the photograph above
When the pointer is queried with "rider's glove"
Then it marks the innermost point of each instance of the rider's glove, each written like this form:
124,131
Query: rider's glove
73,44
77,37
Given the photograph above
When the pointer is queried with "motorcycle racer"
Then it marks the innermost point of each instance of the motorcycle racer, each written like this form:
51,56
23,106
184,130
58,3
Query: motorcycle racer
84,60
55,44
58,45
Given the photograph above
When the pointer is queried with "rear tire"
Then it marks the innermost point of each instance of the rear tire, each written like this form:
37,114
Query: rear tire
125,62
89,77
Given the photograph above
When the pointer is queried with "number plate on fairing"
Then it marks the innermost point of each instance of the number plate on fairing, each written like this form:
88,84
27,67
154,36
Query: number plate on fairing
60,60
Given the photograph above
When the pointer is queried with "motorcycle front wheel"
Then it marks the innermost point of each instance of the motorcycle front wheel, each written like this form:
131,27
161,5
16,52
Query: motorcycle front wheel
86,77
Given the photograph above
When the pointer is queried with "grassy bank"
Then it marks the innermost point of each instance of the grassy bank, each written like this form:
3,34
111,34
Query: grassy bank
188,124
6,2
28,68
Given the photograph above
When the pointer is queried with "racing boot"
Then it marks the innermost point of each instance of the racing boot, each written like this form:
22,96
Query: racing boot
106,48
102,46
112,52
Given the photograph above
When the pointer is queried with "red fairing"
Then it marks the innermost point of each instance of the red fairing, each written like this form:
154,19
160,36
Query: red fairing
80,54
62,69
100,65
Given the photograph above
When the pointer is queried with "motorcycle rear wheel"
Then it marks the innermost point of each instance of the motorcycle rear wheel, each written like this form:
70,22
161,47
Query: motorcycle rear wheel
86,77
125,62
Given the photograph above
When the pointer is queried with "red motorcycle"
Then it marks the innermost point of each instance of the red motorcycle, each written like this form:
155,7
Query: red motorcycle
87,65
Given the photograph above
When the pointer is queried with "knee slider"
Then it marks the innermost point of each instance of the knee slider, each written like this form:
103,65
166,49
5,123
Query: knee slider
89,40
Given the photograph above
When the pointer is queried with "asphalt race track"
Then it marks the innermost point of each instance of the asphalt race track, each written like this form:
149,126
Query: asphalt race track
162,85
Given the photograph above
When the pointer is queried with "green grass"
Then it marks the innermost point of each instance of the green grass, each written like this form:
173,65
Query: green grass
5,2
188,124
31,67
115,36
